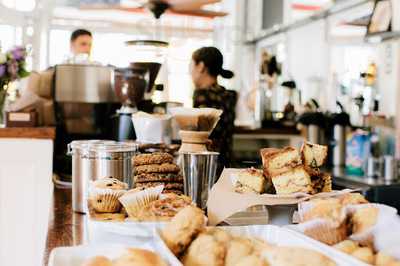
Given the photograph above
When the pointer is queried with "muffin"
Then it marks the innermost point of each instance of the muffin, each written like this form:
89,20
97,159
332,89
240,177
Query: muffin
104,194
136,199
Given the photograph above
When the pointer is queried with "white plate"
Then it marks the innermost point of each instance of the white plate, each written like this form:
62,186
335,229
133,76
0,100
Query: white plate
75,256
120,232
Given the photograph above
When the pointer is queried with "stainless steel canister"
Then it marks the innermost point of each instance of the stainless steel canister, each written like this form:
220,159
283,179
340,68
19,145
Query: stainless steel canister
390,168
339,148
374,167
95,159
314,134
199,170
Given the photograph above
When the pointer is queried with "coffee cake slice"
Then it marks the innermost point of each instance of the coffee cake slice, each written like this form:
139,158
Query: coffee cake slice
279,161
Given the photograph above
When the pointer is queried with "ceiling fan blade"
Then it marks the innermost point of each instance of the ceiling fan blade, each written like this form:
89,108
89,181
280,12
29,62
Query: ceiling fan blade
200,13
183,5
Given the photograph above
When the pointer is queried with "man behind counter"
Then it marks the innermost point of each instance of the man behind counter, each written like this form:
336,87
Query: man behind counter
81,42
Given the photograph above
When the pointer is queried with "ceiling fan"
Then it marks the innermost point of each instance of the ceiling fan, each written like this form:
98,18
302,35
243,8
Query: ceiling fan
159,7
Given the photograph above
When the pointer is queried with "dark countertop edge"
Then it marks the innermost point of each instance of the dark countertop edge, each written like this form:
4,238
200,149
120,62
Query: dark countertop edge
28,132
361,182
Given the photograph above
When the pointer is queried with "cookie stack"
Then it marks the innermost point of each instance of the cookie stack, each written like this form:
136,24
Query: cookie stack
156,169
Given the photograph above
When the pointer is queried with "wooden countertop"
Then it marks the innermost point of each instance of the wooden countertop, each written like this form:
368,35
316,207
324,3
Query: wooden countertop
28,132
66,228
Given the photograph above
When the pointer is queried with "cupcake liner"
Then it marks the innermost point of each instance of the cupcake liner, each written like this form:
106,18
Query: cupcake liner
133,201
324,231
385,214
105,200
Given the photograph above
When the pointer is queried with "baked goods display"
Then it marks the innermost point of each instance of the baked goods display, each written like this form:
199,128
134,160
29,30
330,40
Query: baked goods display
346,223
196,245
110,201
131,257
286,171
155,169
294,171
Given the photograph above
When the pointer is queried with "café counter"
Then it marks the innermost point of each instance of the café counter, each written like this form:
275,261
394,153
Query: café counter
26,188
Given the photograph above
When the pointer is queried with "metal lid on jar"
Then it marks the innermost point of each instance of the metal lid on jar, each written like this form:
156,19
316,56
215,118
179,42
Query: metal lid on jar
102,148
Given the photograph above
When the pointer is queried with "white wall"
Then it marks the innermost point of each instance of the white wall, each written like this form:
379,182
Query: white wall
307,60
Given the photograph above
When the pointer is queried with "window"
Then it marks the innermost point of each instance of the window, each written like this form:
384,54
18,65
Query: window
10,36
20,5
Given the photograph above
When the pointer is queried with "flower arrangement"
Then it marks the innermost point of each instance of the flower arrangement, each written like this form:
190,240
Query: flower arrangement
12,68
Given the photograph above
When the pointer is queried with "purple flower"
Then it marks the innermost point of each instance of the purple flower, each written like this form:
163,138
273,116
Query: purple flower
2,70
18,53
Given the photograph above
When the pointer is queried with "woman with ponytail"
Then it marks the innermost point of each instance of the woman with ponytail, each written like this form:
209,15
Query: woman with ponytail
206,66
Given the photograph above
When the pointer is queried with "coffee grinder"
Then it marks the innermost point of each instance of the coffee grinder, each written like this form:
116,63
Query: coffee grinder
134,85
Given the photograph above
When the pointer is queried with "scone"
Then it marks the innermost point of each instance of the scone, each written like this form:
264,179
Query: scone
139,257
237,248
364,254
250,180
296,256
152,158
313,155
292,181
183,228
98,261
363,219
279,161
156,177
218,234
347,246
205,250
104,194
157,168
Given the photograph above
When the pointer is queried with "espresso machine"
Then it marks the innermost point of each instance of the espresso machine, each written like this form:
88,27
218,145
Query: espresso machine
84,102
134,85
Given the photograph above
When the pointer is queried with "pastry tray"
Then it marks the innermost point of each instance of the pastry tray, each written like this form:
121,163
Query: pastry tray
120,232
75,256
284,237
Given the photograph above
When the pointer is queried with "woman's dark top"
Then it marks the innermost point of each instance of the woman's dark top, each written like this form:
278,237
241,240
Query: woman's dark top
220,98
